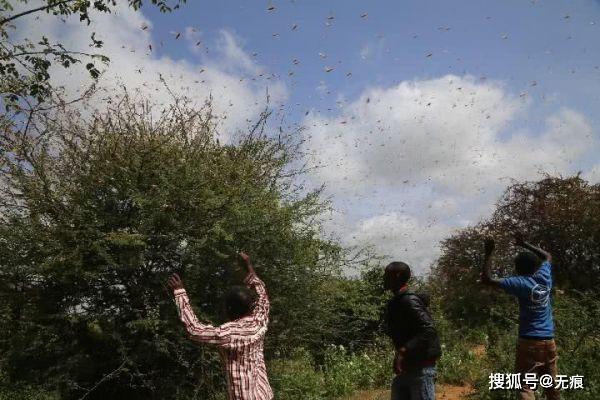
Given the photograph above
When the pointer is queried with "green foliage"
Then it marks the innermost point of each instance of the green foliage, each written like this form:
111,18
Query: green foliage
342,373
296,377
460,363
23,392
346,372
99,212
349,311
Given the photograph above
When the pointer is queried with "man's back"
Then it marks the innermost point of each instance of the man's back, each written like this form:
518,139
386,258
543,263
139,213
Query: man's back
244,361
240,344
535,307
536,349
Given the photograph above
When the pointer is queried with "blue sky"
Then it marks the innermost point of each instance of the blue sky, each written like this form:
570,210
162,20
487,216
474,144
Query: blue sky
429,110
554,44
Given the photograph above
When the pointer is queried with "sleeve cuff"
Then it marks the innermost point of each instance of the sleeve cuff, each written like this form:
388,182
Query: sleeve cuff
177,292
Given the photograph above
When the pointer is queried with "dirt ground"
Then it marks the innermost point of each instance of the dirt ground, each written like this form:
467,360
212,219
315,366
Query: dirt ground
451,392
443,392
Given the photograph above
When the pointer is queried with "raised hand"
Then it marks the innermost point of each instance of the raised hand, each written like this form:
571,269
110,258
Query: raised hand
543,254
486,276
244,259
174,282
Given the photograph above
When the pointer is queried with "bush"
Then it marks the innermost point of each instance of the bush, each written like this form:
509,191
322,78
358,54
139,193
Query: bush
99,208
342,373
23,392
296,377
347,372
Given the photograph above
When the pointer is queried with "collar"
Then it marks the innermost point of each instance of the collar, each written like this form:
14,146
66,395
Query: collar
402,290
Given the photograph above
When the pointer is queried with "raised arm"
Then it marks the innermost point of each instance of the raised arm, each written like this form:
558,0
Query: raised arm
196,330
486,275
543,254
260,313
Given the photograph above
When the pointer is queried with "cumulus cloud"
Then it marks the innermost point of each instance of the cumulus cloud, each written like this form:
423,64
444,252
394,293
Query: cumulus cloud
401,236
447,130
138,61
414,161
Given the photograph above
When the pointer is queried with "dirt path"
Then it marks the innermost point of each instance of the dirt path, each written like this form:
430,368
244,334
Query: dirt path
452,392
443,392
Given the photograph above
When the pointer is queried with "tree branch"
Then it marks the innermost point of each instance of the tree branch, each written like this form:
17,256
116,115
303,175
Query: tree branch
33,10
106,377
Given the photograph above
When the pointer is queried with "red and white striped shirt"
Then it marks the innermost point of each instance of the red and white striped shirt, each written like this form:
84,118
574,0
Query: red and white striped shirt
240,343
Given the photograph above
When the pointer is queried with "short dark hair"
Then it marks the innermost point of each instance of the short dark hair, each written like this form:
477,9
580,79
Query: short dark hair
526,263
397,274
239,302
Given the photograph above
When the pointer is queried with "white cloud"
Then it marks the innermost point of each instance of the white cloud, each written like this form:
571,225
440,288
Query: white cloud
408,164
234,55
402,237
415,130
593,175
138,60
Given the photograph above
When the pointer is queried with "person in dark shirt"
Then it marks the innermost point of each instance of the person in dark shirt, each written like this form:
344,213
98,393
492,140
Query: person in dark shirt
532,285
414,336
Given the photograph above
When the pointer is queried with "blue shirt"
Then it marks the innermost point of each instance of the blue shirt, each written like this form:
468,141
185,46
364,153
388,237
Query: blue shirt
535,308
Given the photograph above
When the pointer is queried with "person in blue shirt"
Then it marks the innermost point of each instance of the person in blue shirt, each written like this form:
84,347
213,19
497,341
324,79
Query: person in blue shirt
532,286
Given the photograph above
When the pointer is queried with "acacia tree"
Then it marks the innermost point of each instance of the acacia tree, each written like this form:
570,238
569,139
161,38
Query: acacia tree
97,208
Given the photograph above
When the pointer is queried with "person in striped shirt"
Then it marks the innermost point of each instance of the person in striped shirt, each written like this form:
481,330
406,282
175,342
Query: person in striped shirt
240,341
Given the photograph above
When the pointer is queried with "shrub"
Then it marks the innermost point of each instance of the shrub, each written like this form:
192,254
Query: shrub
342,373
296,378
99,208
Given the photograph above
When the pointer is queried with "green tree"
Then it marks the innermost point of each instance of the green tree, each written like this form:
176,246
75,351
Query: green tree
98,208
